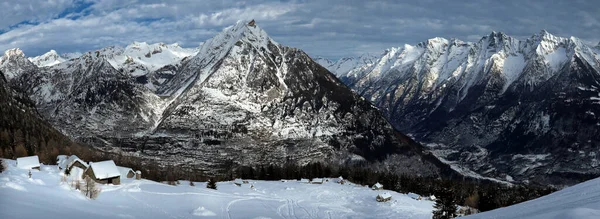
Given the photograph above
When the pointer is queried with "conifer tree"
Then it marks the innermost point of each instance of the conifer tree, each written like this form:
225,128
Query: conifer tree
445,204
212,184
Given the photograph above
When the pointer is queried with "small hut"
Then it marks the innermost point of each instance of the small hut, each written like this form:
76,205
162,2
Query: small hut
384,197
377,186
432,198
74,162
28,163
340,180
304,180
317,181
126,172
105,172
138,175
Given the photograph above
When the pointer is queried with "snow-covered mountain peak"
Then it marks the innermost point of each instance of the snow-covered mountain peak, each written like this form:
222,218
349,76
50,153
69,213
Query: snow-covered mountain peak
499,41
14,63
88,59
545,43
241,36
15,52
51,53
47,59
434,43
241,31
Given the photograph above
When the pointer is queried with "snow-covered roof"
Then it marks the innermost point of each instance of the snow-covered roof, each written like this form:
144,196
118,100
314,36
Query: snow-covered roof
105,169
385,195
61,161
238,181
377,185
124,170
304,180
28,162
318,180
432,197
73,158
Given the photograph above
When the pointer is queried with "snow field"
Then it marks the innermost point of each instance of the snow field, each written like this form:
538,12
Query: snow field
45,196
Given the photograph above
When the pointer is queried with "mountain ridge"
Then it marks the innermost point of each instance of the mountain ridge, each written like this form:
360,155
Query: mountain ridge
465,100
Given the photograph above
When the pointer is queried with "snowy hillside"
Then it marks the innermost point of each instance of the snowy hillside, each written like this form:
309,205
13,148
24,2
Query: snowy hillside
581,201
44,196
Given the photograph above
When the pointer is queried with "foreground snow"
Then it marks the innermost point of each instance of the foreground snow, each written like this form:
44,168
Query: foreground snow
44,196
581,201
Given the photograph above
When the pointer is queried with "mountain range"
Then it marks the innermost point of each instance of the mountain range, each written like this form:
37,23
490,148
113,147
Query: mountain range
518,110
241,98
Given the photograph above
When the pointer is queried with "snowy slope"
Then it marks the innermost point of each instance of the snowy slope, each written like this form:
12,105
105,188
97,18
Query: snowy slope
346,64
45,196
140,58
581,201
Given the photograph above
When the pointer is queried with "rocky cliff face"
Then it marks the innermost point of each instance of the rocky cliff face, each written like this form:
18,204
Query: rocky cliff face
242,99
512,109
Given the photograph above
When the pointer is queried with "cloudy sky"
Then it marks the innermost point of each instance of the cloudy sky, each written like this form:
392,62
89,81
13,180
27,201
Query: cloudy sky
330,29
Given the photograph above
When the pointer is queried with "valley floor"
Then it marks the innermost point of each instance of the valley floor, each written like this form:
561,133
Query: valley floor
44,196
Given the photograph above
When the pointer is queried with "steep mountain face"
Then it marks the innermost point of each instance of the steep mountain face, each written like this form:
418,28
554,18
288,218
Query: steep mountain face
23,131
513,109
346,64
243,99
47,59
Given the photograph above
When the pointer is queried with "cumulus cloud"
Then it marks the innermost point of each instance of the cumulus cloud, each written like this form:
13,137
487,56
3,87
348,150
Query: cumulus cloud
331,29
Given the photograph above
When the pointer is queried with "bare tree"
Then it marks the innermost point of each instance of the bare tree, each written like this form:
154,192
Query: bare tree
90,189
77,184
